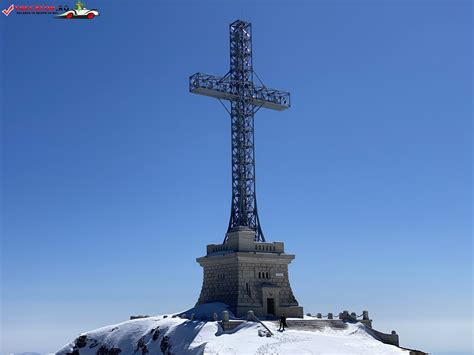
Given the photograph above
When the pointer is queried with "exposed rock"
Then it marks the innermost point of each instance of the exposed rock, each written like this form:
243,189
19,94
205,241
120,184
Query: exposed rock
81,341
156,333
165,345
94,343
140,343
104,350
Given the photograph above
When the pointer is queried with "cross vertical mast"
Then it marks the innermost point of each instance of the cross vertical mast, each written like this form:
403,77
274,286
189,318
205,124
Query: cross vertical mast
244,205
246,99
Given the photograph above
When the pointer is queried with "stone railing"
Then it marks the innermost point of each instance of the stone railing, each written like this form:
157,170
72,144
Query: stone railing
275,247
344,315
256,247
216,248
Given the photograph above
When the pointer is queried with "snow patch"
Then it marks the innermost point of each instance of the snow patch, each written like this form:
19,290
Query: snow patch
160,335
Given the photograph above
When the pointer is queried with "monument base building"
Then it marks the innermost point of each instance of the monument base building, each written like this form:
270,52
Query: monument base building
249,275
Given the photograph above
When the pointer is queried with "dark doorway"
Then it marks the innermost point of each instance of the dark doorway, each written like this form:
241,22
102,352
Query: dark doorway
271,306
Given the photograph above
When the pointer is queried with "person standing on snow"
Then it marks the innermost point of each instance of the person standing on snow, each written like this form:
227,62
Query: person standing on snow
282,322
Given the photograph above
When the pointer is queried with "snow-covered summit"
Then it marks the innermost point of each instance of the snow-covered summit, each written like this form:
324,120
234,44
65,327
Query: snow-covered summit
175,335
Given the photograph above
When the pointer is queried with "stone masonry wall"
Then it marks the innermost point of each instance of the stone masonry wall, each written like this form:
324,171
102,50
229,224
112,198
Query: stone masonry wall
220,283
240,279
250,284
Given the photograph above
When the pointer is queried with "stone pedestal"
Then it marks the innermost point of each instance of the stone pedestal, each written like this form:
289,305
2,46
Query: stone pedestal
249,275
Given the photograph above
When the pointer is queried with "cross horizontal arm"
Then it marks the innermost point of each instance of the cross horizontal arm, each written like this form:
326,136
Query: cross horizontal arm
226,89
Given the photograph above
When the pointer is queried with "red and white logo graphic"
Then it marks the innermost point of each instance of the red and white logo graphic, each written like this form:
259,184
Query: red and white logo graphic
6,12
80,11
60,11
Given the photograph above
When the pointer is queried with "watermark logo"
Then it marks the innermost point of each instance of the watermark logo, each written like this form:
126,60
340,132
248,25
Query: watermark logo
6,12
60,11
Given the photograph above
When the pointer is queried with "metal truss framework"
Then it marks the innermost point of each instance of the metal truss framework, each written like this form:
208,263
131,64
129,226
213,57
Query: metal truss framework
245,99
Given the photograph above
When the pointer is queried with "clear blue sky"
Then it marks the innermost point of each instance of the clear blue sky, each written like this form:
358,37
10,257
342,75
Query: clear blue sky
115,177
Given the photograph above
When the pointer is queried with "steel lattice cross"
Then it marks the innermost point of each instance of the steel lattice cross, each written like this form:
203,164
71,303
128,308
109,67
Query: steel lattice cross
245,99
